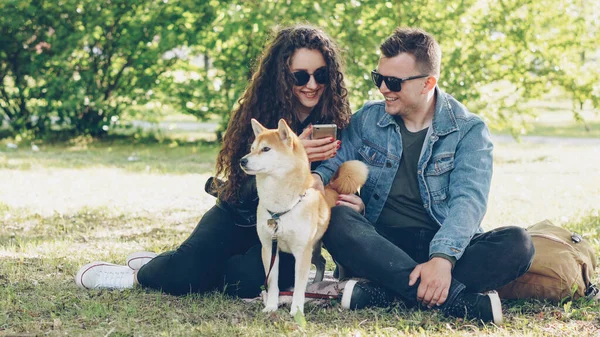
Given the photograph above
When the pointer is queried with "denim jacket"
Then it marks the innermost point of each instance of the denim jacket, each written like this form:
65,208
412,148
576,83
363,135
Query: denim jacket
454,169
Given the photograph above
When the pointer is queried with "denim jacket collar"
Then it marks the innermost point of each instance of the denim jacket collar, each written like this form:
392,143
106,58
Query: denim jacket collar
444,121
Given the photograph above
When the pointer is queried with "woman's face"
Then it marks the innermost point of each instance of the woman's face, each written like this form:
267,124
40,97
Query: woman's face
309,61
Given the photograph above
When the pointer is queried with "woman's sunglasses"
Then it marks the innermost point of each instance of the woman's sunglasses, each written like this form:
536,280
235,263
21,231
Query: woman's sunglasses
393,83
321,76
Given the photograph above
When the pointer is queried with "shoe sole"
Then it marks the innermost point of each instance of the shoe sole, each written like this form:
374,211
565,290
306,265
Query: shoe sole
496,307
347,296
134,257
85,269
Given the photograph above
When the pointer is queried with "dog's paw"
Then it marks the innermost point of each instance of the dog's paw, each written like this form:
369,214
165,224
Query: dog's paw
270,308
295,310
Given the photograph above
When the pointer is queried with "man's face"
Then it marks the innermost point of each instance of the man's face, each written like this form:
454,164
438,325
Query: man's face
412,95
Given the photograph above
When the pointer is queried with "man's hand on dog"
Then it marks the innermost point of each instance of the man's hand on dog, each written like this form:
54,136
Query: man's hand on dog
436,276
351,200
318,149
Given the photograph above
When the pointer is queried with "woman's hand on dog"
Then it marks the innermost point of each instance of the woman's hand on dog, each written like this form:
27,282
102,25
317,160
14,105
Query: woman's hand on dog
318,184
351,200
318,149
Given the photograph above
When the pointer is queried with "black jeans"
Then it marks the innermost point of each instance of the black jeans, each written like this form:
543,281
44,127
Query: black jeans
491,260
218,255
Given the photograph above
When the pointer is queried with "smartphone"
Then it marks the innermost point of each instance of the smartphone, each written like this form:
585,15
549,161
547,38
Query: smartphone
324,131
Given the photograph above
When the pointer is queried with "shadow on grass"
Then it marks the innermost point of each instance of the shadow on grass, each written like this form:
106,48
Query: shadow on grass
588,129
142,154
21,230
578,130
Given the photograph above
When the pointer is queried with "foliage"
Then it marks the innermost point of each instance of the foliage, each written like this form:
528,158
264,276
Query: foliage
79,64
85,63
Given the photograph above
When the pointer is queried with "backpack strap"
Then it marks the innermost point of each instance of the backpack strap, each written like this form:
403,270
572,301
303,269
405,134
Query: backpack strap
591,291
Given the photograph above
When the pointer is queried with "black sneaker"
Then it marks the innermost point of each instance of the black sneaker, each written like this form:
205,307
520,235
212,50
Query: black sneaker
359,294
486,307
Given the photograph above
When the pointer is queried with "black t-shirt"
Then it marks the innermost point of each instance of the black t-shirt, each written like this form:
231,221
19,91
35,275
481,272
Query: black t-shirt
404,206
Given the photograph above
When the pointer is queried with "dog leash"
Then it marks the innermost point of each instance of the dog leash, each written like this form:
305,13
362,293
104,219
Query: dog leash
274,223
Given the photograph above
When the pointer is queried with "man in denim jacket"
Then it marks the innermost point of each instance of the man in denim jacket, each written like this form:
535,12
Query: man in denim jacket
416,229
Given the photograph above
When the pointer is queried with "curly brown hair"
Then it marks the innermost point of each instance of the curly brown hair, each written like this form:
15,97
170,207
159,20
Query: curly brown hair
269,97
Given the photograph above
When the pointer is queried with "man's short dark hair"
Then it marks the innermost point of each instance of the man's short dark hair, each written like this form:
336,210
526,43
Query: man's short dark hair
419,44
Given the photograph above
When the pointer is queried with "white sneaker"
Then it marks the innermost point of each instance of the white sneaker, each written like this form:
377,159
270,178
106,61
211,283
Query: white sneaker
136,260
99,275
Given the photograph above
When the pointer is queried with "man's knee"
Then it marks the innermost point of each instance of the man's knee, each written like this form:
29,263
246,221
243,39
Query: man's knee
522,245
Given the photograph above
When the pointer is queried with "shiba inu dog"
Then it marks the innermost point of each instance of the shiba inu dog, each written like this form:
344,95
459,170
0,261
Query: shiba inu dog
290,210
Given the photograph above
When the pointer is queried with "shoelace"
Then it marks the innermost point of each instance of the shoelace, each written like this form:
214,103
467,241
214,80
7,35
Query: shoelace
114,279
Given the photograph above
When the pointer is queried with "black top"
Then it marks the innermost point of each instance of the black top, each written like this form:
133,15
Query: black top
404,205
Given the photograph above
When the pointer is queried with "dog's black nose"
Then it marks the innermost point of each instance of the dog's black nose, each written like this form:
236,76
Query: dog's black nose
244,162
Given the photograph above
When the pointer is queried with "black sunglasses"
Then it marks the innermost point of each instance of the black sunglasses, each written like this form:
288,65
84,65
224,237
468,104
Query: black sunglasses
393,83
321,76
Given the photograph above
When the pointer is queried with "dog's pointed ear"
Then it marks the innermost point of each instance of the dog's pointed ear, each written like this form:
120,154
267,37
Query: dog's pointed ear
257,127
284,131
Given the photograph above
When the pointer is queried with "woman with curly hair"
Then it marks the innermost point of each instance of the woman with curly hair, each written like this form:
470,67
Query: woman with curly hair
298,78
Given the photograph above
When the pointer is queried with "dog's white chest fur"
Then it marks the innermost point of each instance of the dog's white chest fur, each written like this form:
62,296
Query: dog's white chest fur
294,228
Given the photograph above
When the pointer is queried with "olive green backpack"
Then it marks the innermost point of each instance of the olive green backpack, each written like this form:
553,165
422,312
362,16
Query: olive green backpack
563,266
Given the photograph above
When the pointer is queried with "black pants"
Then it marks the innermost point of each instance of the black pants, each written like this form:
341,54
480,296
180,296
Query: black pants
218,255
491,260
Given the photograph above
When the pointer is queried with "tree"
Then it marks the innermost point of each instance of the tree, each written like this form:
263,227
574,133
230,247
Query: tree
78,64
496,56
85,62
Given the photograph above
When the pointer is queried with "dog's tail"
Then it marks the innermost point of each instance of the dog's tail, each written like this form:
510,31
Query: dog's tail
350,176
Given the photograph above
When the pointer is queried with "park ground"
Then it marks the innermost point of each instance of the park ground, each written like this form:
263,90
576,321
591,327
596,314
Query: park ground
65,204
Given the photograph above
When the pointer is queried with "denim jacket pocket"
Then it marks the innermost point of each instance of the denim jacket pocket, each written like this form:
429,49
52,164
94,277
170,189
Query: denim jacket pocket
375,160
372,156
437,176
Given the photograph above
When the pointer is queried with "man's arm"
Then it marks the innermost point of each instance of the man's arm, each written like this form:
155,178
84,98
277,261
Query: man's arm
468,192
469,187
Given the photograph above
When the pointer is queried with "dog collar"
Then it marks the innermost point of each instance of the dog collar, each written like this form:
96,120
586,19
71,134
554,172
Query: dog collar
276,215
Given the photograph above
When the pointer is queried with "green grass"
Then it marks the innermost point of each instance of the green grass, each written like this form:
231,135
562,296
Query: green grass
556,119
70,204
135,155
589,130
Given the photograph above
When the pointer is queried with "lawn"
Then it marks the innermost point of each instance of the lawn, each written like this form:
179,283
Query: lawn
556,118
71,203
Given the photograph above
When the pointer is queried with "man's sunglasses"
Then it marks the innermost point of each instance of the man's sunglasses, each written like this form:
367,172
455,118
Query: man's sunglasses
321,76
393,83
